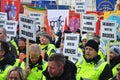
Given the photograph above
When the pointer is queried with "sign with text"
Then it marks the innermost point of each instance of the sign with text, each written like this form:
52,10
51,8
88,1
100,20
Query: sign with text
102,47
108,30
89,23
71,44
3,16
27,28
38,17
11,28
2,23
80,7
56,18
105,5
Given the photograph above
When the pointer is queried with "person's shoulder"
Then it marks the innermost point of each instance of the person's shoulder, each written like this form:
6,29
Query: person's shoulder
69,65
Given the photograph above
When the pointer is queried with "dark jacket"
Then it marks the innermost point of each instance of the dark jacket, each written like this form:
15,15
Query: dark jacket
8,60
68,74
114,62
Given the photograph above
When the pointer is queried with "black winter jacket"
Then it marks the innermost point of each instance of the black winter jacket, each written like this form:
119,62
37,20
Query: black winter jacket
68,74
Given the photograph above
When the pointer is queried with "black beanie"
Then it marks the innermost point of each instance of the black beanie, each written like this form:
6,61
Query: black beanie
93,44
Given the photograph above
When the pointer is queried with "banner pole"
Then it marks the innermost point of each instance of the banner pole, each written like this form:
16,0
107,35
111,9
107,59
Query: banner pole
27,53
108,51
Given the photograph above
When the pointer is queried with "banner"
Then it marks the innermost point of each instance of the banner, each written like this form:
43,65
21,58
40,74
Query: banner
74,21
99,16
3,16
29,10
43,3
11,27
38,17
114,16
27,28
88,23
80,6
71,42
11,7
2,23
108,30
56,18
105,5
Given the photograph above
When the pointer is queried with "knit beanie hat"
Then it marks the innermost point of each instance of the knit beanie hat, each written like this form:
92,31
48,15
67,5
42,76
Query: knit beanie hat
115,50
45,34
93,44
22,38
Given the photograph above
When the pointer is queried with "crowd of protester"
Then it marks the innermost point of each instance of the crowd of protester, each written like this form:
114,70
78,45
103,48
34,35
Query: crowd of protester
46,59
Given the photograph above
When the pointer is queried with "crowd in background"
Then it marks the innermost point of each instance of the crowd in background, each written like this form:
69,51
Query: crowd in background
47,60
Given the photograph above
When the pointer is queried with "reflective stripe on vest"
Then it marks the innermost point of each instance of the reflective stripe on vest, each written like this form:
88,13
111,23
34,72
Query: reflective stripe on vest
94,70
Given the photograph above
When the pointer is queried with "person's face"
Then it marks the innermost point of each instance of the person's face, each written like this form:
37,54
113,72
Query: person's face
54,70
90,53
14,75
21,44
2,53
43,40
112,55
2,35
42,30
84,41
34,56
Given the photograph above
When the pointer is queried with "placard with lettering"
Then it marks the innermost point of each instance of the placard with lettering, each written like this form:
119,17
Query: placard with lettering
108,30
2,23
27,27
71,44
11,28
89,23
80,6
3,16
38,18
102,47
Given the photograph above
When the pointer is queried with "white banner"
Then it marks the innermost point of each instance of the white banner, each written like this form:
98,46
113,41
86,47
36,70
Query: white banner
3,16
80,7
2,23
56,18
71,42
108,30
27,28
11,28
89,23
38,17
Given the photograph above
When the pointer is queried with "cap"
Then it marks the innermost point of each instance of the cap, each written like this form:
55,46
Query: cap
21,38
93,44
115,50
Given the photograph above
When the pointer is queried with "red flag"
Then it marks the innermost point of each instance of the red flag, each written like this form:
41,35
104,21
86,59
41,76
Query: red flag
65,25
48,28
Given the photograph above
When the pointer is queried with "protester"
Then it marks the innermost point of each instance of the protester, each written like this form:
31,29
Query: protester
92,66
117,77
3,37
59,68
16,73
114,59
61,38
84,40
22,48
46,46
36,65
7,61
42,29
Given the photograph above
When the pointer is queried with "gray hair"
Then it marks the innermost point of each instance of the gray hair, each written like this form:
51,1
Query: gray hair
58,58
